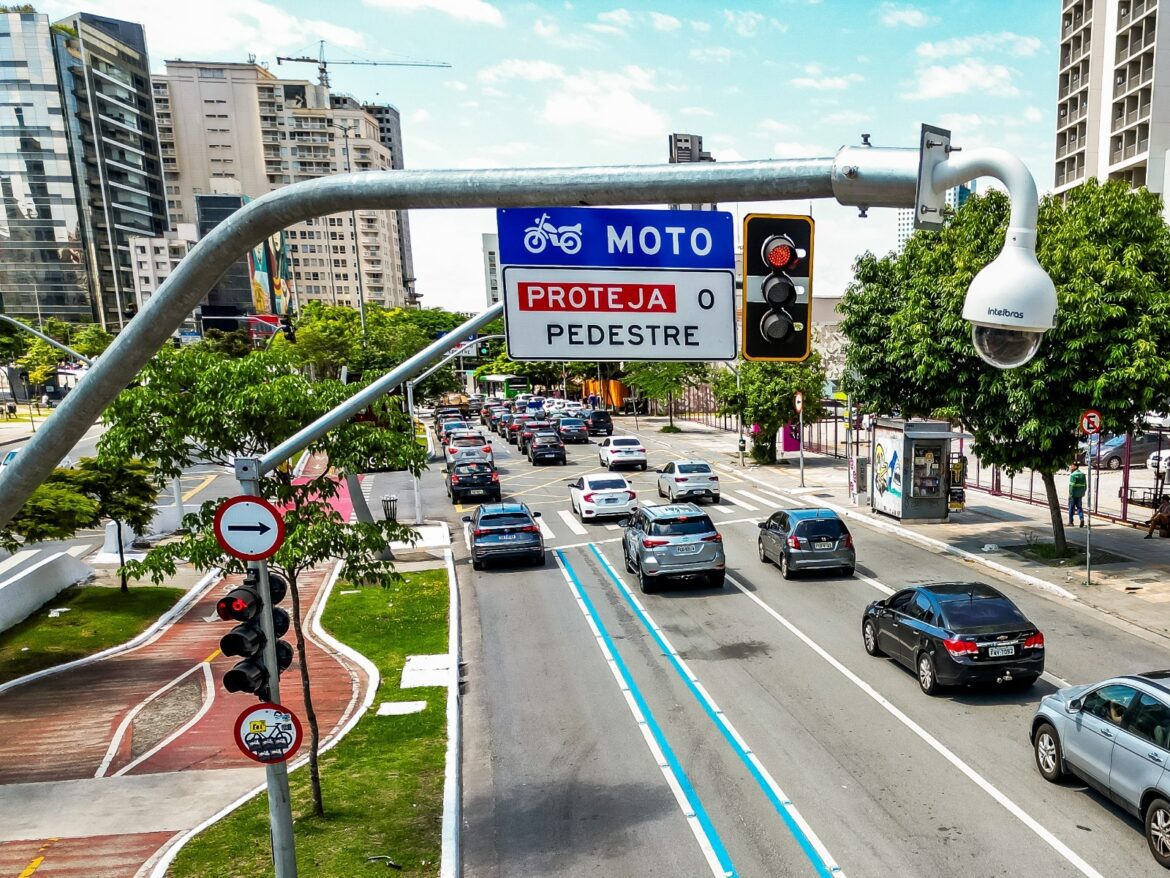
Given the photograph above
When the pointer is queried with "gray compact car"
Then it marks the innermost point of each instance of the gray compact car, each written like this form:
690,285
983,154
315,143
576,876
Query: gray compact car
1115,736
677,540
806,539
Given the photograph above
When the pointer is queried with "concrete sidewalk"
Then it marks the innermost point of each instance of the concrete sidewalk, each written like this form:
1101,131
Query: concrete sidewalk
1135,588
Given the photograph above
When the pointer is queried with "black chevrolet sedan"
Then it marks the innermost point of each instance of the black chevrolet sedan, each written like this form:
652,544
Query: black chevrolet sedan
955,634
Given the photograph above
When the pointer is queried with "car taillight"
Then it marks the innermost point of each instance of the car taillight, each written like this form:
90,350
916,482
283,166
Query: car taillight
1034,641
848,541
794,542
454,480
588,498
652,544
714,538
530,529
682,479
452,450
632,495
961,647
479,532
643,450
495,477
714,478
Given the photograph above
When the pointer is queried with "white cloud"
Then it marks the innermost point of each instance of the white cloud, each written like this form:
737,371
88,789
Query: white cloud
419,116
717,54
795,150
743,23
608,103
455,85
617,17
696,111
605,28
544,28
845,117
1012,44
774,127
962,123
530,71
894,14
827,83
474,11
966,77
489,91
660,21
701,26
728,155
217,28
1033,114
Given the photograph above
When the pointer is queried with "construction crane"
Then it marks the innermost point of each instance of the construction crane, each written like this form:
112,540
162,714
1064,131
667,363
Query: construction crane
323,65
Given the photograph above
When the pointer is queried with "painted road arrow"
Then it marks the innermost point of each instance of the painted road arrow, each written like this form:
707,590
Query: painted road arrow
250,528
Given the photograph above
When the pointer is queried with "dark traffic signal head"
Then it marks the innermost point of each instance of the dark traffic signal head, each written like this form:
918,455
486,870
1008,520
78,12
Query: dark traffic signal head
247,639
777,287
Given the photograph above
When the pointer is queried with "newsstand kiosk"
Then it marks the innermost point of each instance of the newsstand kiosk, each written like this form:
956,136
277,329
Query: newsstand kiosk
913,472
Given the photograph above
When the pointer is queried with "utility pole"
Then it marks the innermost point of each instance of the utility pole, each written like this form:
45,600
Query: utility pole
357,255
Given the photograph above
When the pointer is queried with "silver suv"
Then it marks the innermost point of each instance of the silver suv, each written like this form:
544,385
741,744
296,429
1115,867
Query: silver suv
1115,736
676,540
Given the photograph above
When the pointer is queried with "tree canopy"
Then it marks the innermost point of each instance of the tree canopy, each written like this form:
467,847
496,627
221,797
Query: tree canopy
766,395
1107,250
665,382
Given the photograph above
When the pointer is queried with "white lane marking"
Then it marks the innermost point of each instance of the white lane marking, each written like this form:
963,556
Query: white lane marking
613,527
882,587
571,522
116,741
934,743
780,800
590,543
763,501
726,510
209,688
778,496
1055,680
741,503
664,765
545,530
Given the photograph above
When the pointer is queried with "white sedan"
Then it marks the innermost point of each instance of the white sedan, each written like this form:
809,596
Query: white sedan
689,479
597,496
467,445
621,451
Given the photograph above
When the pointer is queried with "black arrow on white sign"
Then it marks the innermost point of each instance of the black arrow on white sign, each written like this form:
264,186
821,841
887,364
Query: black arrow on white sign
260,528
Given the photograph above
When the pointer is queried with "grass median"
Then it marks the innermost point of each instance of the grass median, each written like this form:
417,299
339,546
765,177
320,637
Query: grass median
383,784
95,618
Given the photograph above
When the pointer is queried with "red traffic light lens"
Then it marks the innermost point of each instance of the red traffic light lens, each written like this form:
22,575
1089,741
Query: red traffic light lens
779,252
238,605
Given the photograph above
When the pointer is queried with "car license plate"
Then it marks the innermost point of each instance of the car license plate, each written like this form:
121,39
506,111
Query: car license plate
509,536
609,500
823,545
1000,651
475,491
686,550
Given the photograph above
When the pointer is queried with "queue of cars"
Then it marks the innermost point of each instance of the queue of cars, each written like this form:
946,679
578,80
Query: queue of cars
1114,735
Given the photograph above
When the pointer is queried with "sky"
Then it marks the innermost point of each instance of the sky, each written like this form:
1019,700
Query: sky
572,82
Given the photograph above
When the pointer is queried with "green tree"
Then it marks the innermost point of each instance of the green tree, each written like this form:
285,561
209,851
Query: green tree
766,395
56,511
91,340
13,342
125,491
233,344
1107,250
41,361
665,381
195,403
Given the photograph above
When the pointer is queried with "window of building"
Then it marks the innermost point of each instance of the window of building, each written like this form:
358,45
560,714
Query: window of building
212,73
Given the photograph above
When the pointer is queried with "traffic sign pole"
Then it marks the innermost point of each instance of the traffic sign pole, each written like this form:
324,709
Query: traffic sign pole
284,858
1091,426
800,414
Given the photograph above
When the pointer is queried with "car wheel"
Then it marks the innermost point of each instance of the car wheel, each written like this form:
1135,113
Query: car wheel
715,580
1158,831
762,551
847,571
645,583
1114,463
660,494
539,560
869,638
626,557
642,467
476,565
670,496
785,567
927,681
1046,746
715,498
609,466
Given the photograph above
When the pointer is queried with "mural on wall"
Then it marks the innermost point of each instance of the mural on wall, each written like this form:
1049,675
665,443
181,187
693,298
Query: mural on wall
886,472
268,269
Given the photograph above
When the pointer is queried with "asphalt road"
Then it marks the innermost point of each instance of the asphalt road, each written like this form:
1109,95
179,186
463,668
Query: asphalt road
745,731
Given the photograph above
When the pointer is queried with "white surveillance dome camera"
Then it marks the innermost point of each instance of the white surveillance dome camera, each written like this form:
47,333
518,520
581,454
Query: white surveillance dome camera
1011,304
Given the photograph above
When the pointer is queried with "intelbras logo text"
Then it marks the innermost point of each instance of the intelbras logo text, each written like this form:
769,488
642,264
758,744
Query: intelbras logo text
1005,312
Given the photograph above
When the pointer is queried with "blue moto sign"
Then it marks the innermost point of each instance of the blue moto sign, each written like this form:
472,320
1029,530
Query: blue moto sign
612,284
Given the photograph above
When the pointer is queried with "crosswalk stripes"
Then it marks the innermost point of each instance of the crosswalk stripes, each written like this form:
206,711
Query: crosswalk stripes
741,503
571,522
726,510
545,530
757,498
613,527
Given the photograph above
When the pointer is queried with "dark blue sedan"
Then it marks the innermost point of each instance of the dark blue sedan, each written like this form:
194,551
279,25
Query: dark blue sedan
503,532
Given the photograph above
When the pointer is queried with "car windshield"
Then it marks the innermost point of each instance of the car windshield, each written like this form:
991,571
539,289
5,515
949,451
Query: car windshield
625,442
684,525
505,519
688,468
1114,442
606,485
472,469
820,528
981,611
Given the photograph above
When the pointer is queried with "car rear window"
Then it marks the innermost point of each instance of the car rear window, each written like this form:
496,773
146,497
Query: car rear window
572,422
505,519
626,442
693,468
821,528
600,416
681,526
546,440
468,441
975,613
606,485
472,469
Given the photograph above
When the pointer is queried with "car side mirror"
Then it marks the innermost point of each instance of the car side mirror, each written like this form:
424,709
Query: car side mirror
625,521
536,515
763,525
659,471
1073,706
467,518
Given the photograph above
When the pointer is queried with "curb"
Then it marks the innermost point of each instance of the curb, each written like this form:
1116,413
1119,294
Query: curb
157,868
451,856
149,635
932,543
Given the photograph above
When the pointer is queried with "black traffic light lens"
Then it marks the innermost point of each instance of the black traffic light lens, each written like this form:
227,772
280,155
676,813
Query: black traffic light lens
775,325
277,587
280,622
284,655
246,639
779,290
247,676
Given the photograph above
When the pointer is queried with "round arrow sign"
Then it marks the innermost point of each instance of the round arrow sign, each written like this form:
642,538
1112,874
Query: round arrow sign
799,402
250,528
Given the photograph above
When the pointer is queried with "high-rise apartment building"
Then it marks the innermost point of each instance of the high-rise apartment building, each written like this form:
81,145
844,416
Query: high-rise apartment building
79,166
390,132
956,197
1112,109
239,122
688,148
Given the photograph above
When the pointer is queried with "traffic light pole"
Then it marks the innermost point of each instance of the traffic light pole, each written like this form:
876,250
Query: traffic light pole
280,821
863,177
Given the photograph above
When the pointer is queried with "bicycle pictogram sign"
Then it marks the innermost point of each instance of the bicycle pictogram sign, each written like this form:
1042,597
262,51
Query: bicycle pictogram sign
268,733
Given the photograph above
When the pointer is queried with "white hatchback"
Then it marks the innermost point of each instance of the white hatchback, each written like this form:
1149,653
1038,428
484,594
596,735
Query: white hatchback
621,451
598,496
465,446
689,479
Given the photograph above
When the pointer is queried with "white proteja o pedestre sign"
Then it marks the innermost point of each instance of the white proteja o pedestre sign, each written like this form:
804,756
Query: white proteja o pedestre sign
608,284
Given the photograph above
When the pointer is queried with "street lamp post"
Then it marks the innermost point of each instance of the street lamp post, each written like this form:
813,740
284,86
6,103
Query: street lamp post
357,253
